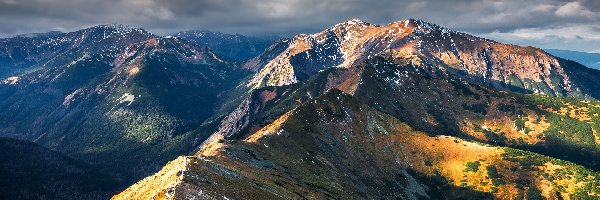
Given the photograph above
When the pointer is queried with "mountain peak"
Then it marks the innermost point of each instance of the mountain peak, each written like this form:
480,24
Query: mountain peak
352,23
355,21
412,23
120,29
421,26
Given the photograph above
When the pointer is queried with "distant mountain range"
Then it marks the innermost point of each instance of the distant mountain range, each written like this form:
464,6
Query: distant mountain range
591,60
232,47
406,110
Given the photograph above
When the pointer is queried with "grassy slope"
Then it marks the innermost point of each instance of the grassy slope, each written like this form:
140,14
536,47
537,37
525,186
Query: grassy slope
338,147
435,104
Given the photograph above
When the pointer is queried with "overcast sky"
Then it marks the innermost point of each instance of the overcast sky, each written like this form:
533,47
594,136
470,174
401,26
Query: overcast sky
560,24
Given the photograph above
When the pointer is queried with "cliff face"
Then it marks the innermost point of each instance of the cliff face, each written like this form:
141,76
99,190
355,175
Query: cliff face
436,49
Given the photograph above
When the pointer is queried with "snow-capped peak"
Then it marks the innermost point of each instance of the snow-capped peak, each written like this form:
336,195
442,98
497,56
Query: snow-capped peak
351,23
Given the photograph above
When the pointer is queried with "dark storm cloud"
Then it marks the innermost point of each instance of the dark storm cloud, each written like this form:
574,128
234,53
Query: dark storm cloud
527,20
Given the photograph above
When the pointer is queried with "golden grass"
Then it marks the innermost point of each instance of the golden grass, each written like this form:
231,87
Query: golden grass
270,129
158,185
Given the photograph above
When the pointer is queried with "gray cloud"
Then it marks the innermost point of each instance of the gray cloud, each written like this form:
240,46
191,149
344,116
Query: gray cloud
514,21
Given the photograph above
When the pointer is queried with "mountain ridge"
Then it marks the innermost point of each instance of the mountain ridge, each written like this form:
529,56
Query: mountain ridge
437,101
297,155
438,49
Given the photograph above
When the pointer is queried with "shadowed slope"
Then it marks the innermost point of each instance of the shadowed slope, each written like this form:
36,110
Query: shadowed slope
30,171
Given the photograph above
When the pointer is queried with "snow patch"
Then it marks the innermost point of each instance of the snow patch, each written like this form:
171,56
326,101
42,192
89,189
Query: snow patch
126,98
13,80
82,58
130,98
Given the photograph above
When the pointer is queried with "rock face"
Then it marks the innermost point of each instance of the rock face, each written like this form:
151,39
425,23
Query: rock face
436,49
